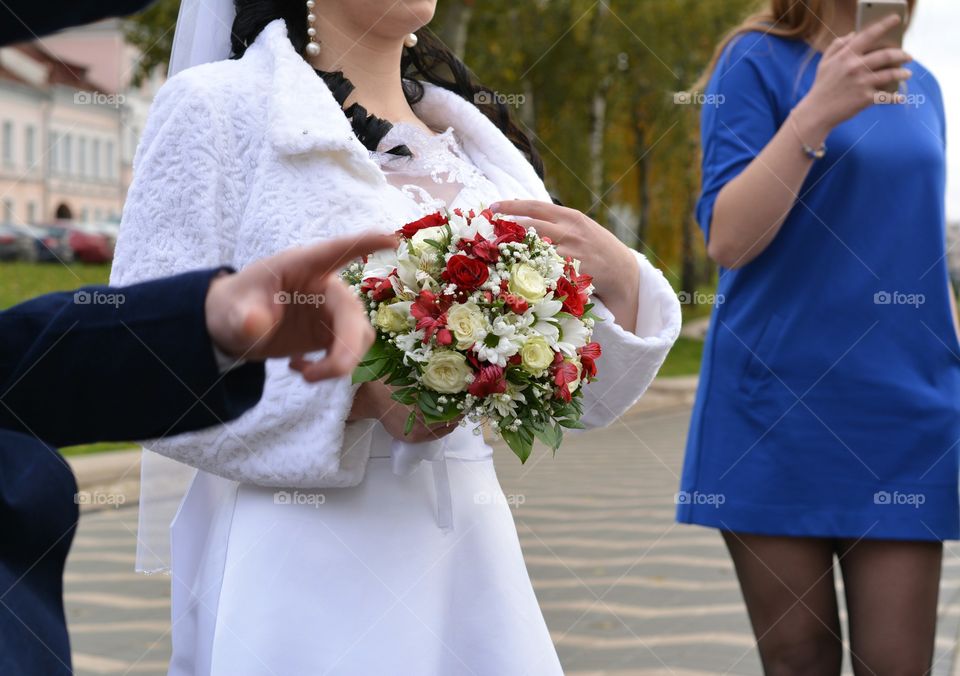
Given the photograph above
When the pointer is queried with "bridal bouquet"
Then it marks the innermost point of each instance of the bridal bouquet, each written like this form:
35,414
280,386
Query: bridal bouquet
480,318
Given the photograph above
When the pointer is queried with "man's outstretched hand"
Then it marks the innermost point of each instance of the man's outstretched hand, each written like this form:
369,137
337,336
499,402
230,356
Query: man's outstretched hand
294,303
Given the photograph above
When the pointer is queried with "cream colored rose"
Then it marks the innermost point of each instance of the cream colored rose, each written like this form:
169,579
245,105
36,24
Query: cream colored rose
527,282
468,323
419,240
446,372
393,317
536,355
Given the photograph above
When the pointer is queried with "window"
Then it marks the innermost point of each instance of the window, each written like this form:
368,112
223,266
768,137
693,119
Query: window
82,156
8,211
67,154
54,165
111,169
96,158
85,215
30,147
8,143
32,213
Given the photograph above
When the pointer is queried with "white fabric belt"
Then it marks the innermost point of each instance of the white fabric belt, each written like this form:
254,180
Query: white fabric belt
407,457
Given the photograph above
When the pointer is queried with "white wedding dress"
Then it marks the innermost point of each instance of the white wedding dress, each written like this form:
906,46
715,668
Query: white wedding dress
368,580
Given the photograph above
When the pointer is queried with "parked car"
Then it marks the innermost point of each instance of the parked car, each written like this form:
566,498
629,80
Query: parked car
52,243
91,244
16,244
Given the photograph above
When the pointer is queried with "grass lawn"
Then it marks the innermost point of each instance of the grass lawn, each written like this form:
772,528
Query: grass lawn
21,281
684,358
98,448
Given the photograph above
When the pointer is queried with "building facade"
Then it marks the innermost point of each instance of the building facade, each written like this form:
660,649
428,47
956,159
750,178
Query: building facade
70,121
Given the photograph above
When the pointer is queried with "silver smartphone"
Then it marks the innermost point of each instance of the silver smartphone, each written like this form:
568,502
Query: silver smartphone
871,11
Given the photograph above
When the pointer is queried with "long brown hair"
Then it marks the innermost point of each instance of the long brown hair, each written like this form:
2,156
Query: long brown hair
791,19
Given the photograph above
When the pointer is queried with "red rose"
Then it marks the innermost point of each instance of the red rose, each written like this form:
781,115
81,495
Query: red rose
574,302
508,231
467,273
431,221
492,379
444,337
382,288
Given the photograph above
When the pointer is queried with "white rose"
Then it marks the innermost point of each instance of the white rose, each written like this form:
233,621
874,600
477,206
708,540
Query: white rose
527,282
393,317
468,323
446,372
537,355
419,240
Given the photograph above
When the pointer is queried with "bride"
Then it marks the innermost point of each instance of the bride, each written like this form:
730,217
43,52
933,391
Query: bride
314,536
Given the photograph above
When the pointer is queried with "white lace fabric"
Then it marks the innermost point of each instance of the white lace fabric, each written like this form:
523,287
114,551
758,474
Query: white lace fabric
439,175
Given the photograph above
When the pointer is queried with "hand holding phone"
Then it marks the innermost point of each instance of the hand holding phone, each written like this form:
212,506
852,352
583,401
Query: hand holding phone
852,75
869,13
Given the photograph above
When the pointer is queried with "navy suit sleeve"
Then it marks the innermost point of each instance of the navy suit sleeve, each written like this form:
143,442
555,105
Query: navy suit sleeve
114,364
28,19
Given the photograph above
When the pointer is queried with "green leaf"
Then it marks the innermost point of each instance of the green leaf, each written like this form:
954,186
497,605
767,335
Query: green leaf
572,424
406,395
521,446
369,371
411,421
548,435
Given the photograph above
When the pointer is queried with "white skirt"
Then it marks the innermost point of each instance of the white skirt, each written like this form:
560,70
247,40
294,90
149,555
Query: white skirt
356,581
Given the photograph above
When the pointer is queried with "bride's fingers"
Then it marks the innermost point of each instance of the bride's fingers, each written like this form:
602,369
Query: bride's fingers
555,232
546,211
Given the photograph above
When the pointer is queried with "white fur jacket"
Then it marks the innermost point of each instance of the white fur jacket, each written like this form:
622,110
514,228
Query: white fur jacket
241,159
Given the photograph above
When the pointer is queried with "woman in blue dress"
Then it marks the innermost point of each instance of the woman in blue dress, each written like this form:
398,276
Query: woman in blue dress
827,420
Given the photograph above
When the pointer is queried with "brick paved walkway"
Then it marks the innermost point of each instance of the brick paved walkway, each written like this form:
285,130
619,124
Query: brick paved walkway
626,592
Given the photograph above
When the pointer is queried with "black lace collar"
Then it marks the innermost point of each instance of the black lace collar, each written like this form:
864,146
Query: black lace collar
369,128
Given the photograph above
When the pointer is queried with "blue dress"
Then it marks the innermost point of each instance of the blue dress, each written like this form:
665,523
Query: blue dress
829,398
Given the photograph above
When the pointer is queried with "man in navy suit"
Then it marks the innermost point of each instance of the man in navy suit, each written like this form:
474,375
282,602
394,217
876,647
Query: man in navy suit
146,361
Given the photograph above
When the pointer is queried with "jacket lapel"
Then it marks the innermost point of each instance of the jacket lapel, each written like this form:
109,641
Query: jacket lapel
303,116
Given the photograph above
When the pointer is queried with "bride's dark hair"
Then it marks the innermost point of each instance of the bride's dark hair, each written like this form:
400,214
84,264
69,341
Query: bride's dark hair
430,61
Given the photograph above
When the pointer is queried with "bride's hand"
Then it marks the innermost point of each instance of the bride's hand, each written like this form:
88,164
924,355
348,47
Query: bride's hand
373,400
611,263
